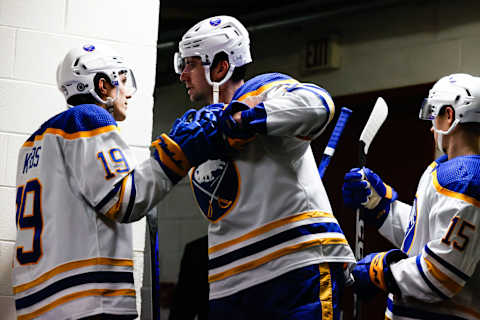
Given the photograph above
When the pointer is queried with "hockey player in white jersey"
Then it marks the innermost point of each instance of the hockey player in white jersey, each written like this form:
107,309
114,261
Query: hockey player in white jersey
78,184
436,272
276,251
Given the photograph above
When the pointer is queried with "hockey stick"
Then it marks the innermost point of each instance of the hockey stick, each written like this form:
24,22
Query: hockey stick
332,142
374,122
154,263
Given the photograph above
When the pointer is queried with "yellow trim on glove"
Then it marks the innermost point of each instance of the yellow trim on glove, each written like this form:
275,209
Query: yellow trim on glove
376,271
175,158
388,191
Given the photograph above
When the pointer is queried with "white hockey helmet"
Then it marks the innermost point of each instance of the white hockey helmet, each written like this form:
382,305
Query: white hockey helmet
460,91
211,36
76,73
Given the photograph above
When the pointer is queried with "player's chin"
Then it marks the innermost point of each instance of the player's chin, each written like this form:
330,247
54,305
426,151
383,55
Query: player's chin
120,115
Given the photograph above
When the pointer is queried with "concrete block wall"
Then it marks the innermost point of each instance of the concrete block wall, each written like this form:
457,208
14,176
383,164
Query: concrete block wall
35,35
406,44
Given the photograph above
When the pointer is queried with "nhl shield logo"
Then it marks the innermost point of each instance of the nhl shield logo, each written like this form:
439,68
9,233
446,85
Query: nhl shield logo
215,185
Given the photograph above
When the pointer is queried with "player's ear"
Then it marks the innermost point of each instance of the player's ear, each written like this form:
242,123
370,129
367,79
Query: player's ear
450,113
103,86
220,70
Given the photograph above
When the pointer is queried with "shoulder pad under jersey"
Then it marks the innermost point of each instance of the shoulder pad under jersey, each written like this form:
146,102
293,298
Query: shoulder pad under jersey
461,175
81,118
259,83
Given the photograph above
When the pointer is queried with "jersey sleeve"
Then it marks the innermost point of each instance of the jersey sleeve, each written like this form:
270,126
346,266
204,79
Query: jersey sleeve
396,223
449,259
105,173
298,110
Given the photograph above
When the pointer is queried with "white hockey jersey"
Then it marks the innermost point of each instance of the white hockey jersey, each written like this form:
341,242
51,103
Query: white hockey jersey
268,208
76,181
440,233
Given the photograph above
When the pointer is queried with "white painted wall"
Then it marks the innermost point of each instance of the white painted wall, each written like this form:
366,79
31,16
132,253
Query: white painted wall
35,35
392,47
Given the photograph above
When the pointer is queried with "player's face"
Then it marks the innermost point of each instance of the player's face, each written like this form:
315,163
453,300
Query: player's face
193,76
441,123
120,104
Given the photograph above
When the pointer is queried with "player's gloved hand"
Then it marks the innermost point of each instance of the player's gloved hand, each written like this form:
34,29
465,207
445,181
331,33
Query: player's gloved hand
372,274
237,132
212,113
364,188
190,142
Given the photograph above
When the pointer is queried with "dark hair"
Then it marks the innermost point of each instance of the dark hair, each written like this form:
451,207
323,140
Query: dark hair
87,98
443,110
81,99
238,73
471,127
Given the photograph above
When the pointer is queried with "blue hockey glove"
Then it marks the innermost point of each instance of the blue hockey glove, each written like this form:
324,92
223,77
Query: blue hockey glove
192,140
212,113
364,188
236,135
372,274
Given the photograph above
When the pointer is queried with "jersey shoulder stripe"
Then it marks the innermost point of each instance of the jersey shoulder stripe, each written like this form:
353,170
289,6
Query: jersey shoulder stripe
80,121
321,94
459,178
259,84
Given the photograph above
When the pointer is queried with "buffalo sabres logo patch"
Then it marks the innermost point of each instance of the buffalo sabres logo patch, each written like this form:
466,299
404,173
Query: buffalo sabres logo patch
215,185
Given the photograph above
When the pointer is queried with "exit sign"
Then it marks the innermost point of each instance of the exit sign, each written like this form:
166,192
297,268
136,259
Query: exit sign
323,54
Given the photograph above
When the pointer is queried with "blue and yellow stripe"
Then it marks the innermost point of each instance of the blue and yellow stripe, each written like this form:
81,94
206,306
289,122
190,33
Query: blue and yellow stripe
73,281
72,266
272,241
274,255
270,226
74,296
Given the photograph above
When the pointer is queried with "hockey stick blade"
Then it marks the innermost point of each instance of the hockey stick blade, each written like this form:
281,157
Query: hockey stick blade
375,121
333,141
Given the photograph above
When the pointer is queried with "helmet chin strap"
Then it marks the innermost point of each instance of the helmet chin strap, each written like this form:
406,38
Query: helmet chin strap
216,90
109,100
216,85
109,105
441,133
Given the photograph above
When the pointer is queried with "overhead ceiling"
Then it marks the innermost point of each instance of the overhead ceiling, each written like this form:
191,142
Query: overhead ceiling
176,16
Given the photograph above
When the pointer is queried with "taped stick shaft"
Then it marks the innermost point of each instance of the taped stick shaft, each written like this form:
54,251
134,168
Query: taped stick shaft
333,141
